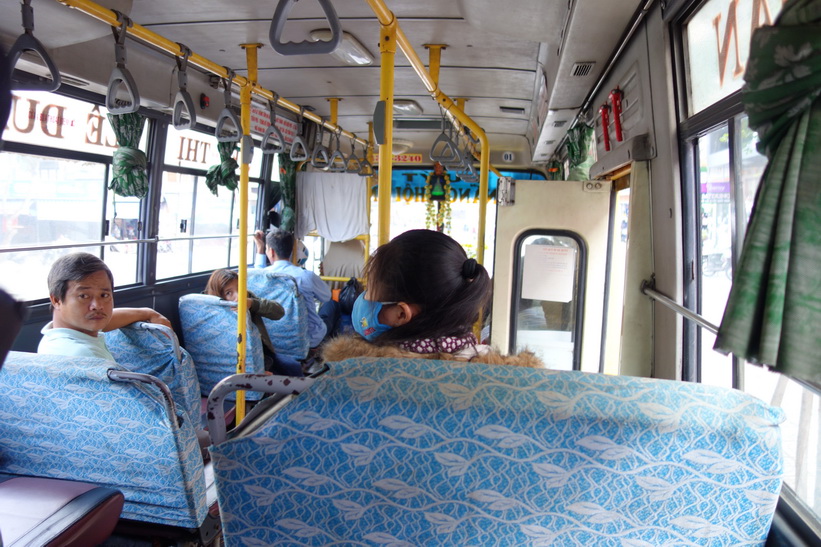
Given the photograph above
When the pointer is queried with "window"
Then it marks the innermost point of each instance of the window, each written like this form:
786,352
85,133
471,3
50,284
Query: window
717,45
722,180
197,229
53,195
716,243
547,313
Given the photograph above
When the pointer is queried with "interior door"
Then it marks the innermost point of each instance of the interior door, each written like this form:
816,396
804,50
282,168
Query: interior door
550,271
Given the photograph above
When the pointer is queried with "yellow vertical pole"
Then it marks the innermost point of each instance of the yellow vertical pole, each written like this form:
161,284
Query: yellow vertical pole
387,47
245,154
371,181
434,61
334,108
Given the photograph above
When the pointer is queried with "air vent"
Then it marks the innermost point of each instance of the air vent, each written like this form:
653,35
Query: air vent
559,123
512,110
76,82
548,143
580,70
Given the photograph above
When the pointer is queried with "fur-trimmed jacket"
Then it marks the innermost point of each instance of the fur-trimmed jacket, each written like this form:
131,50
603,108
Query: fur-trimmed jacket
346,347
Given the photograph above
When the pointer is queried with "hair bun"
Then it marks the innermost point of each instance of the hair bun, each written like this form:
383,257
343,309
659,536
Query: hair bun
469,268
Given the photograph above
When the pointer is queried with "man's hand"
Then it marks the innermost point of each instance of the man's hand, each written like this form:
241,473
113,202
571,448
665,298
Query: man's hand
156,317
259,239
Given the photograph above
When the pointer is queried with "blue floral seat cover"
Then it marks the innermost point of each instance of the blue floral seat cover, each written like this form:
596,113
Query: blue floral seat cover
63,418
419,452
289,335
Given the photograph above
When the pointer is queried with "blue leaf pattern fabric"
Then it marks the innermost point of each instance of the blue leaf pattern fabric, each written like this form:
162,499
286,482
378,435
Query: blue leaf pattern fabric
209,332
154,349
61,417
419,452
290,333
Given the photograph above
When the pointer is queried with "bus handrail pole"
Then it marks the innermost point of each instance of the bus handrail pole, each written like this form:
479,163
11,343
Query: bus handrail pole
387,49
386,17
646,289
154,240
143,34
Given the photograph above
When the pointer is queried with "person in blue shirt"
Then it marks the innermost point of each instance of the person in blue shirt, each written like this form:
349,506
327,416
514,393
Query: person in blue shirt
278,249
81,291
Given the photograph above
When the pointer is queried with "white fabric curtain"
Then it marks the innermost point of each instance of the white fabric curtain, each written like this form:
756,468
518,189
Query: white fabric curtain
333,204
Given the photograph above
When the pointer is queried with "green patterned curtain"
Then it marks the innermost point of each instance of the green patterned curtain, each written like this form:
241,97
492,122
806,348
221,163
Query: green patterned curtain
129,177
578,146
287,182
224,174
773,315
555,170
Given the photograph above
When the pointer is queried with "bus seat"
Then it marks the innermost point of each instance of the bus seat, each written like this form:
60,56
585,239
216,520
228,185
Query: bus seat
64,418
209,332
289,334
37,511
422,452
154,349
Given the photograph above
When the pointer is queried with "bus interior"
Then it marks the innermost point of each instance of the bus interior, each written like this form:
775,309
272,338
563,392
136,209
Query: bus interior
600,164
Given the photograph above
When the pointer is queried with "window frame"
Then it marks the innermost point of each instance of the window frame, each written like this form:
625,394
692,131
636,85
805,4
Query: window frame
579,293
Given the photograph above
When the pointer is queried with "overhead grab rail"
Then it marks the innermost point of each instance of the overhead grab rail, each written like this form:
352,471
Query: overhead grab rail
27,42
121,78
185,115
229,128
386,18
273,142
139,32
306,47
648,290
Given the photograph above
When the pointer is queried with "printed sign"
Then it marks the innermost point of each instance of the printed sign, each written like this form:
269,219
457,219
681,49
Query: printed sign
261,119
403,158
549,272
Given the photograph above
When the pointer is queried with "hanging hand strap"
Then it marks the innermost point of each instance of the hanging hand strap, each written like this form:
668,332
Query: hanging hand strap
304,47
273,142
185,116
229,127
299,150
336,163
27,42
352,163
120,77
319,158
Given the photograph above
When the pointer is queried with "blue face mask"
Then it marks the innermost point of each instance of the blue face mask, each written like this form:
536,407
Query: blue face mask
365,318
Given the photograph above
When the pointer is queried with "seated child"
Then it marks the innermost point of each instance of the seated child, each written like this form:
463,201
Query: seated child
224,283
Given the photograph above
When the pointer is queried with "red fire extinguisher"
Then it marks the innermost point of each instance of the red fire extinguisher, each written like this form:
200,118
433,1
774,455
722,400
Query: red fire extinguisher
604,110
615,98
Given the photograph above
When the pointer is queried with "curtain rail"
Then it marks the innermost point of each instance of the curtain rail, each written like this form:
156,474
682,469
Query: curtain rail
646,289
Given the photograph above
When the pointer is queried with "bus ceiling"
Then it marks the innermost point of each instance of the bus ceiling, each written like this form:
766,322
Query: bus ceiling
522,75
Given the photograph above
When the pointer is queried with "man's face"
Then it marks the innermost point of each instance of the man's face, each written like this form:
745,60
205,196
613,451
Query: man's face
87,305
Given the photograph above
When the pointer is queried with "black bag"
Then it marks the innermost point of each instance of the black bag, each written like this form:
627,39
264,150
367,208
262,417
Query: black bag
348,295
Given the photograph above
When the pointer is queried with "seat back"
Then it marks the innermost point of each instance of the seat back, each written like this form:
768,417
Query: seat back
209,332
289,334
63,418
420,452
38,511
154,349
